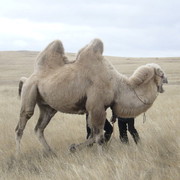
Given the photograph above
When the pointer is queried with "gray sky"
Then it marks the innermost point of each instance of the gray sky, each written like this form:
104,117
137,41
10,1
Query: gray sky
128,28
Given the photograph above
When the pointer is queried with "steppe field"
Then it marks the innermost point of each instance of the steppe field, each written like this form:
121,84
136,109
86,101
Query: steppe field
157,157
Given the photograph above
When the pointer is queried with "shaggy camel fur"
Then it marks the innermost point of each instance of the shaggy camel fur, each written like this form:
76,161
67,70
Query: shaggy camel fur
90,84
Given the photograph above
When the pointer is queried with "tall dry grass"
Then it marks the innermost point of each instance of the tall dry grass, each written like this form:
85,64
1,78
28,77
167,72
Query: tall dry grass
157,157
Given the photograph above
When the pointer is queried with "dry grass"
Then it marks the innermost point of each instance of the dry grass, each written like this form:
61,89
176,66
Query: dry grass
156,158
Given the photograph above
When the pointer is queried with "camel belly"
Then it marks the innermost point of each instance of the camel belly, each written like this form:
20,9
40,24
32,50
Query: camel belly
65,101
67,106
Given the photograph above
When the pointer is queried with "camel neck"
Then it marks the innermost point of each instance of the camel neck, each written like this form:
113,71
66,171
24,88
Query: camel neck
146,93
143,101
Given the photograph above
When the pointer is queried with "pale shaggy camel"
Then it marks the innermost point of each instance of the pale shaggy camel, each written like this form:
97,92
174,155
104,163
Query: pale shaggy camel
90,84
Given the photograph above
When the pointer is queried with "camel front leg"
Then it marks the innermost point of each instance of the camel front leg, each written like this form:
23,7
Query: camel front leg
96,120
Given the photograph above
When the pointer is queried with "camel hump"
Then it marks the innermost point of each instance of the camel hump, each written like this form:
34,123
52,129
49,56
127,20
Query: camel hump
97,46
92,51
55,47
52,56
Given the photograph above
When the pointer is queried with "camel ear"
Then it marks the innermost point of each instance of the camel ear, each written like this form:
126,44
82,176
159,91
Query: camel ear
159,72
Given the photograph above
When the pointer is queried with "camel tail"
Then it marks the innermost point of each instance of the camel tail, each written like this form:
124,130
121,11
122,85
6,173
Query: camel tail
21,82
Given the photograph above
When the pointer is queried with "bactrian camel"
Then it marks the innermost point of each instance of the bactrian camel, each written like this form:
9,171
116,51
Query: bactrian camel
88,85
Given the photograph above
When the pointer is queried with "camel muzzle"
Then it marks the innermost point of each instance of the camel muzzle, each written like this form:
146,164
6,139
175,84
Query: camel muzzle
165,80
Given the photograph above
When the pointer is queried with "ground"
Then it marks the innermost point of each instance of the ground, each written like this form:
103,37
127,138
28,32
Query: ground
157,157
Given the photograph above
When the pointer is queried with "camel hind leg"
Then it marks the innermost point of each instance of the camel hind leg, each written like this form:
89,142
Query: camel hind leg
28,103
46,113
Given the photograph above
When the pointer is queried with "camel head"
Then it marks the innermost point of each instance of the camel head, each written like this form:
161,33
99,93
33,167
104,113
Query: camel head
159,77
145,73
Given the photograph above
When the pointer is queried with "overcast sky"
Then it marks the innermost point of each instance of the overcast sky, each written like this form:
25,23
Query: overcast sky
128,28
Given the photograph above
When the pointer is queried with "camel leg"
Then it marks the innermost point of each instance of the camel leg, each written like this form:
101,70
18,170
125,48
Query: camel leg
97,119
24,117
46,113
77,147
27,110
90,138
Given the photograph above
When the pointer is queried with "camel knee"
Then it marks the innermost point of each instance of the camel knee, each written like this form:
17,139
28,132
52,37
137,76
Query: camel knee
27,114
24,116
39,132
19,132
36,128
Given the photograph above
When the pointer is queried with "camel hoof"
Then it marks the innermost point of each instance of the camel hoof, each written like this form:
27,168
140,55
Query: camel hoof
72,148
101,141
90,145
49,153
53,154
